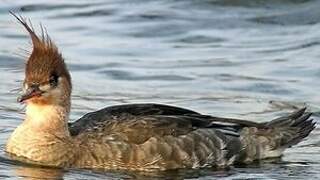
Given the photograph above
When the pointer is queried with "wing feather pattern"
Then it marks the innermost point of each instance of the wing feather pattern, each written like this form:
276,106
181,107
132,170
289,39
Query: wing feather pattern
154,136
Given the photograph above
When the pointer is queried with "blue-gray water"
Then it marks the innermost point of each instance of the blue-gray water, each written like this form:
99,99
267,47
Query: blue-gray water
253,59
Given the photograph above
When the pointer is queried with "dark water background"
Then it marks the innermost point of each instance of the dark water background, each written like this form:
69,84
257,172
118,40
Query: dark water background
253,59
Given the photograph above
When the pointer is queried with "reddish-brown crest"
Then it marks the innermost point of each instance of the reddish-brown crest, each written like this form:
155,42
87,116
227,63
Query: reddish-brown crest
45,58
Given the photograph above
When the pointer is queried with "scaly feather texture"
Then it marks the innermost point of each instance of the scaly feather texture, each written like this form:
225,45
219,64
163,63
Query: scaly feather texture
134,136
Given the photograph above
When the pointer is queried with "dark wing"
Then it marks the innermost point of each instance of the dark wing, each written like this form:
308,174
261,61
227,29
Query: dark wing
122,112
142,121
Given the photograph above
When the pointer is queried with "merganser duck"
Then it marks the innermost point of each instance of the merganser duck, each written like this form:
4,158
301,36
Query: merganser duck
141,137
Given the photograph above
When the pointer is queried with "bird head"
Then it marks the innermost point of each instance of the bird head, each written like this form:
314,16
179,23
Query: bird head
47,79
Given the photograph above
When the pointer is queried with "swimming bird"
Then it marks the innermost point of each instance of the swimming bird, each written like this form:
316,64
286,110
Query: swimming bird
141,137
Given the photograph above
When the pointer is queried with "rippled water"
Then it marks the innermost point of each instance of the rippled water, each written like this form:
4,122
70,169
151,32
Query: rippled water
254,59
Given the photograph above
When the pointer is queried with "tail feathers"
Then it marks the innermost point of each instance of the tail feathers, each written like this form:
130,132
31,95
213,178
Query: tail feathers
272,138
292,119
305,129
293,128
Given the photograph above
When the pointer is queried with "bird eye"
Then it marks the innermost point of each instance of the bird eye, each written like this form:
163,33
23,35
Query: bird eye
53,80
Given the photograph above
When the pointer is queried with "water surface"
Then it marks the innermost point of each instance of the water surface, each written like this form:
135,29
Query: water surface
251,59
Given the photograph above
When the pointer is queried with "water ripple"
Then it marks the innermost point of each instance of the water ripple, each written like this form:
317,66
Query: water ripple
125,75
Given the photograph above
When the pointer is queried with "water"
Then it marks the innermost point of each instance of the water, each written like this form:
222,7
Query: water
254,59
